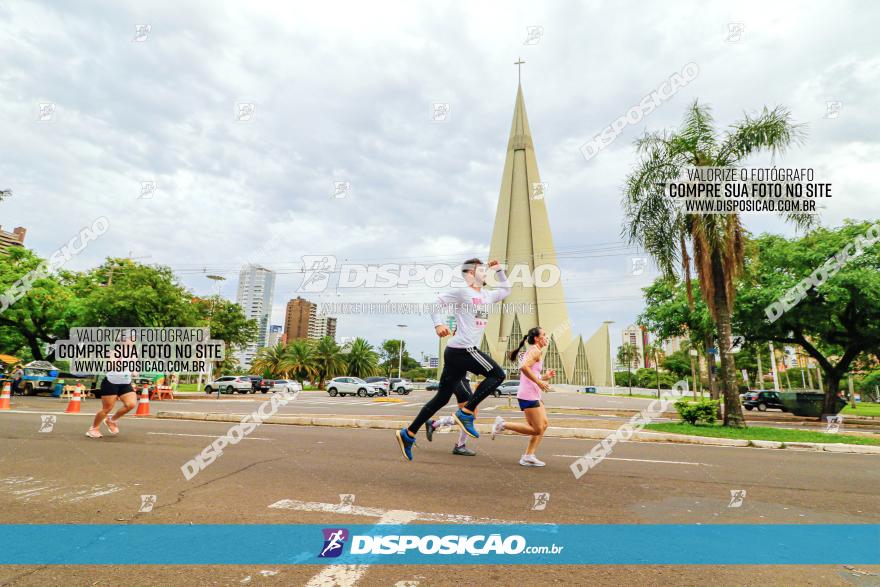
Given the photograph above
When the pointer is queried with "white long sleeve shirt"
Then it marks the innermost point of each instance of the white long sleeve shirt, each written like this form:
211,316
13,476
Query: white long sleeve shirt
471,311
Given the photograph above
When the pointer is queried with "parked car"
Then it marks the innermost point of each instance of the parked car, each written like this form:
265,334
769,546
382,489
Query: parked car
266,385
231,384
591,389
763,400
38,376
432,385
509,387
353,386
288,385
383,382
256,381
401,386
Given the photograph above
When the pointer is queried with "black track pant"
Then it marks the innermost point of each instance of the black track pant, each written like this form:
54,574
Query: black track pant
457,363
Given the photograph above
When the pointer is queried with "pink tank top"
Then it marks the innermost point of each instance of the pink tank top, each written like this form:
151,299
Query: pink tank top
528,389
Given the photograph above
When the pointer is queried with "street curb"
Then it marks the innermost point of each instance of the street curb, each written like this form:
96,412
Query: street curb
552,431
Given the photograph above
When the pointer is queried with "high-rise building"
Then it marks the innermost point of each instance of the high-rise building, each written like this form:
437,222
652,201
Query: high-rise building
298,317
256,288
12,239
321,326
633,335
303,321
275,333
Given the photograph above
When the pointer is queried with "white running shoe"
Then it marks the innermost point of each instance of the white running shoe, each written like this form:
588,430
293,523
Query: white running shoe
531,461
498,428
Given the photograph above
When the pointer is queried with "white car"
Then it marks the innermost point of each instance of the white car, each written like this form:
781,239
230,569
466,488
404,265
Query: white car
353,386
230,384
287,385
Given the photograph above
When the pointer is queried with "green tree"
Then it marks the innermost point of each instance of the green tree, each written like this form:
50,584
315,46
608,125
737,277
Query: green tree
329,360
628,353
717,240
122,292
273,360
362,360
834,323
42,314
227,322
301,360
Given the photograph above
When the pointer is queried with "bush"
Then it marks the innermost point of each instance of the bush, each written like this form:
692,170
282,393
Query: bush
704,410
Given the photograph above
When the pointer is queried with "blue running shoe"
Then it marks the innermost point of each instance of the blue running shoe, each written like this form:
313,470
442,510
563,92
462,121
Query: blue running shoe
466,423
406,443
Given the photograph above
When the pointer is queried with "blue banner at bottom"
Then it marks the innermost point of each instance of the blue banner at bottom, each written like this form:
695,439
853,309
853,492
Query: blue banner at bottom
417,544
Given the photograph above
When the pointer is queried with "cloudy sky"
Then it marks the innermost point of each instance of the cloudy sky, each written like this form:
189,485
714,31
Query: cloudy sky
344,92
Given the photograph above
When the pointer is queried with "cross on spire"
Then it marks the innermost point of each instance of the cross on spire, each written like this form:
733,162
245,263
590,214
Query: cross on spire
519,62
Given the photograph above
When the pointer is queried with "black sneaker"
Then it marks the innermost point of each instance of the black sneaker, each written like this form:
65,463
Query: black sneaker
463,451
429,430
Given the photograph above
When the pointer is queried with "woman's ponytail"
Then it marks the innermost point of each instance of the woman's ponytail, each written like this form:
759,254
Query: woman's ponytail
530,336
513,354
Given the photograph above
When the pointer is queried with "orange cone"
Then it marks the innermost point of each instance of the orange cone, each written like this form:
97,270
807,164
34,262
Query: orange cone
74,404
4,396
143,403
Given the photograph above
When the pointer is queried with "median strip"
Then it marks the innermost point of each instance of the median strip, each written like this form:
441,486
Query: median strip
552,431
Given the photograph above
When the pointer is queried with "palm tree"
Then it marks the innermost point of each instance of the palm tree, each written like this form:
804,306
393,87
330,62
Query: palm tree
627,353
654,351
300,360
362,360
271,359
329,360
717,240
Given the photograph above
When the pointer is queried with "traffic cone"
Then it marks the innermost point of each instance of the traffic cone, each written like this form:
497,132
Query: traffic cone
4,396
74,404
143,403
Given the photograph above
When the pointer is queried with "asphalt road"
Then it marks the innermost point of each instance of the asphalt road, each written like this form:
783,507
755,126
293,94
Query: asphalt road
571,406
63,477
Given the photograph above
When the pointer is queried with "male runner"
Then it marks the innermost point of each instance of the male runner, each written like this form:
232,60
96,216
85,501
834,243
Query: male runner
462,355
462,395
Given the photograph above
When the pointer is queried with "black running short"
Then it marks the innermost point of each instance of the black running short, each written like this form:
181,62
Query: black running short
109,389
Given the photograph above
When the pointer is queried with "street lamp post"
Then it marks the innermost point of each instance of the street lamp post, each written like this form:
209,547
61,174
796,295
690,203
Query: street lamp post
399,357
216,279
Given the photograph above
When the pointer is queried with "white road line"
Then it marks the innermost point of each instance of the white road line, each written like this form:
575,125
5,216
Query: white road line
356,510
202,435
641,460
349,575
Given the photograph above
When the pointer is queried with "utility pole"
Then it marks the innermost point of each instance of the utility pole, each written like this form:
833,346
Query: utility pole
399,355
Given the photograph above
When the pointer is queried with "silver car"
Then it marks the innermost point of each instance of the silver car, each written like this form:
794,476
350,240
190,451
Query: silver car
230,384
287,385
353,386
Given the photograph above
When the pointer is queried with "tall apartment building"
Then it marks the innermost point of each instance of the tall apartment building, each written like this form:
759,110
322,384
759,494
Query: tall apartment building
303,321
12,239
256,288
638,337
297,318
322,326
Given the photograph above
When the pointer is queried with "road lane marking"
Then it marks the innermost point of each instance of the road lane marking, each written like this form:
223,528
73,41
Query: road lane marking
641,460
203,435
357,510
349,575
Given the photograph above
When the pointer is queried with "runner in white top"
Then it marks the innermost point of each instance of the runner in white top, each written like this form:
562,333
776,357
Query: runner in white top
470,306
